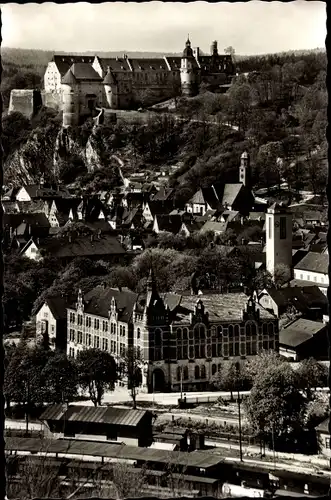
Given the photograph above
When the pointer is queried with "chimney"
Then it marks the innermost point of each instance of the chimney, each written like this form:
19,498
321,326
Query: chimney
243,241
91,238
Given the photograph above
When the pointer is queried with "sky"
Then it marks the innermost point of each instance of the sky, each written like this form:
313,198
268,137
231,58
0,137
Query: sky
252,27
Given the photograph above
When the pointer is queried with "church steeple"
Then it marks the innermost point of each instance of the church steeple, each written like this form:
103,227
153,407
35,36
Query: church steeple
244,169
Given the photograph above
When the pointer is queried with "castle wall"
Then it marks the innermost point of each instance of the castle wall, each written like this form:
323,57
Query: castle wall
92,88
52,100
27,102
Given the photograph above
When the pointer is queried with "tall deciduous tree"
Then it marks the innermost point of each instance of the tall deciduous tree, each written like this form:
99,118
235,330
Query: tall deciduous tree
232,376
275,406
97,372
60,373
132,363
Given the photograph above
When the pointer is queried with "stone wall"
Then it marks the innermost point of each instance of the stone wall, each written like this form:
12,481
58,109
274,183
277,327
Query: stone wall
27,102
52,100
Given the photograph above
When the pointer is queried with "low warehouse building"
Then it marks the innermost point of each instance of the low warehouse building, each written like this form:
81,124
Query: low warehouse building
132,427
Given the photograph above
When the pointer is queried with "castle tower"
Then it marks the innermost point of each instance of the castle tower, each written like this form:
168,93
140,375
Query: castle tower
278,237
245,169
70,100
213,49
188,75
110,87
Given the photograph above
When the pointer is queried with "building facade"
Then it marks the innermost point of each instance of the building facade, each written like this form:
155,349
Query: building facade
80,84
183,340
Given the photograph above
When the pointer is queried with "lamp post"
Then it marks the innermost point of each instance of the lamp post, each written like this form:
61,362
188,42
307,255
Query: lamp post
181,383
239,417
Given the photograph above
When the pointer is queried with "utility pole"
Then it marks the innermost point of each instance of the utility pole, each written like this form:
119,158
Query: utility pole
273,444
181,383
27,406
239,417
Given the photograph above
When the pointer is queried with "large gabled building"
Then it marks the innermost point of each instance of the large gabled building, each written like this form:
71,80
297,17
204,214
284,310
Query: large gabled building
183,340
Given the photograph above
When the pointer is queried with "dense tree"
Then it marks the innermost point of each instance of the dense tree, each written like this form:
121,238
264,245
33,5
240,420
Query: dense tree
97,372
275,407
232,376
311,374
60,374
257,366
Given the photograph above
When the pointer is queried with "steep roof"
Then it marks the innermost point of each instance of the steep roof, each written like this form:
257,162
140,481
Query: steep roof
64,62
109,79
84,71
148,64
58,306
68,78
99,415
314,262
218,227
300,296
174,62
171,224
230,193
220,307
99,299
324,426
115,64
82,246
299,332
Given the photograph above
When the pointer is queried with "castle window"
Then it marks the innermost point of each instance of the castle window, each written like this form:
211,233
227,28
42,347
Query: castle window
138,333
199,331
230,331
213,369
96,324
185,333
80,337
185,373
203,371
197,372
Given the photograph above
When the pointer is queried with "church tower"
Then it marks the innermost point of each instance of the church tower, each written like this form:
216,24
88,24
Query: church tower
70,102
245,169
188,76
278,237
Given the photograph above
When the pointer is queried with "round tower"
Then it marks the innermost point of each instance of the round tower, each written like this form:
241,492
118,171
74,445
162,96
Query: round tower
188,75
110,87
70,101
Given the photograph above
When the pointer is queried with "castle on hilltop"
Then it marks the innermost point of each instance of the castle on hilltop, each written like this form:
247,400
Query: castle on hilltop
80,84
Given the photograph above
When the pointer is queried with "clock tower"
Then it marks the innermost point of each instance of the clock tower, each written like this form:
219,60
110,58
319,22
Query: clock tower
278,237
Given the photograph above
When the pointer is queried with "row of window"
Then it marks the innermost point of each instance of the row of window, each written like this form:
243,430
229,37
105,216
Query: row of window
96,324
201,332
307,278
220,350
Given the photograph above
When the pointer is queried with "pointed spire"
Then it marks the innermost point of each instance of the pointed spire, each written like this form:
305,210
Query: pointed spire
151,285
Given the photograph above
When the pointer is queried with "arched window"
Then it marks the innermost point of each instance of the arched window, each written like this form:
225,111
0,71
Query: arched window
248,329
138,333
179,370
197,372
157,336
199,331
270,329
185,373
179,334
213,369
219,367
185,333
213,331
253,329
220,330
203,371
191,352
230,331
236,330
265,328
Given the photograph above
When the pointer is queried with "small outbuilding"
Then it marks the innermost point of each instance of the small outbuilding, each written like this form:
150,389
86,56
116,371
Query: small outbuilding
303,339
103,423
